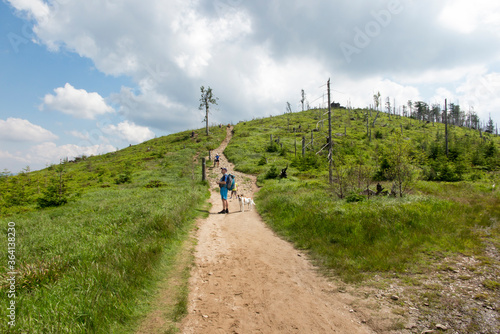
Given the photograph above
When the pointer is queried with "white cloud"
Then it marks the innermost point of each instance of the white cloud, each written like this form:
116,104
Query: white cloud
359,93
157,109
441,75
46,153
467,16
34,8
129,131
441,94
49,152
481,92
76,102
6,155
16,129
13,162
256,57
481,87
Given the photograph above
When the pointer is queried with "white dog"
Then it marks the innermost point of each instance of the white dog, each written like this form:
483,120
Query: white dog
245,201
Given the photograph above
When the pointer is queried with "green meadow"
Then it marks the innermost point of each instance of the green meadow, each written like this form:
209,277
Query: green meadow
89,255
440,204
95,236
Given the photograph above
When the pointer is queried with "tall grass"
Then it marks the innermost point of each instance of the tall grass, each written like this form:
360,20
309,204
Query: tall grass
380,234
96,256
90,266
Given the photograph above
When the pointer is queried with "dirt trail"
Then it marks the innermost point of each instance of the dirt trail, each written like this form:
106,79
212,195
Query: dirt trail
248,280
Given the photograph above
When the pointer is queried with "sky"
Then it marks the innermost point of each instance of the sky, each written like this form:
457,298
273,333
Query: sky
90,77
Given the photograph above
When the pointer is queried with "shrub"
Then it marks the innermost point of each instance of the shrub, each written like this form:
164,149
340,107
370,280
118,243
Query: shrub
310,161
355,198
54,195
125,177
443,170
155,184
283,152
262,161
51,197
272,148
272,172
381,174
491,150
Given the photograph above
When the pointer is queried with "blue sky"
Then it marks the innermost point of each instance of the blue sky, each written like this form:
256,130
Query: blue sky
28,73
80,77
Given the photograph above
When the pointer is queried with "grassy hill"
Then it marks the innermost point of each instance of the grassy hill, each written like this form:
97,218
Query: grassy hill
93,236
436,238
353,233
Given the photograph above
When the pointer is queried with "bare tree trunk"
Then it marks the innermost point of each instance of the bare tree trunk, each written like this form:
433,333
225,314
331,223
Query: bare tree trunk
330,150
203,169
446,124
367,127
206,119
303,146
378,111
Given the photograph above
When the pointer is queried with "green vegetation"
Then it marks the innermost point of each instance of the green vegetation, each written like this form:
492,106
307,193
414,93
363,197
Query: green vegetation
94,235
441,203
89,249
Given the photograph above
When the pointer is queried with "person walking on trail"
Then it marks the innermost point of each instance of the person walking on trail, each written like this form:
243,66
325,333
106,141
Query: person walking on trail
216,161
223,190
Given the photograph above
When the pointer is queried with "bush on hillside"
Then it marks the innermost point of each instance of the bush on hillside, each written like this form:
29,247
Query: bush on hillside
310,161
262,161
272,148
53,195
272,173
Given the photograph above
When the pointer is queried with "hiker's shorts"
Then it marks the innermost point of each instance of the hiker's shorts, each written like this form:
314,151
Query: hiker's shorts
223,192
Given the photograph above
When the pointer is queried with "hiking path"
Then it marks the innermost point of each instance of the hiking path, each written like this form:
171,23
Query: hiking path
246,279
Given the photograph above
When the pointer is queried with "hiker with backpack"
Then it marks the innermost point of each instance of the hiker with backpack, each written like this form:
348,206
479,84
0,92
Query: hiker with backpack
216,161
225,183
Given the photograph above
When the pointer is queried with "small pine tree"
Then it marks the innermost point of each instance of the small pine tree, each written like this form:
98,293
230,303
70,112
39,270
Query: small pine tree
490,127
56,193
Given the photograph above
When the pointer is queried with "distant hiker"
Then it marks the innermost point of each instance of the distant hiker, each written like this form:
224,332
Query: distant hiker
223,190
234,191
216,161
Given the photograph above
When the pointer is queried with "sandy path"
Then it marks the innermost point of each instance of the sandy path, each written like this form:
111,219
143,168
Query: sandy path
248,280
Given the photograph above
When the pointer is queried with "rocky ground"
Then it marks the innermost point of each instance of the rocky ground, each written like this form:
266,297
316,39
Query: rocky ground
458,295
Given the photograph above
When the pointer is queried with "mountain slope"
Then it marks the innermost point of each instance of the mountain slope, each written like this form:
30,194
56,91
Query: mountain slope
88,266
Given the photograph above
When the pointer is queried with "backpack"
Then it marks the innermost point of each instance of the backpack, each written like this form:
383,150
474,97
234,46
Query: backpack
230,182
